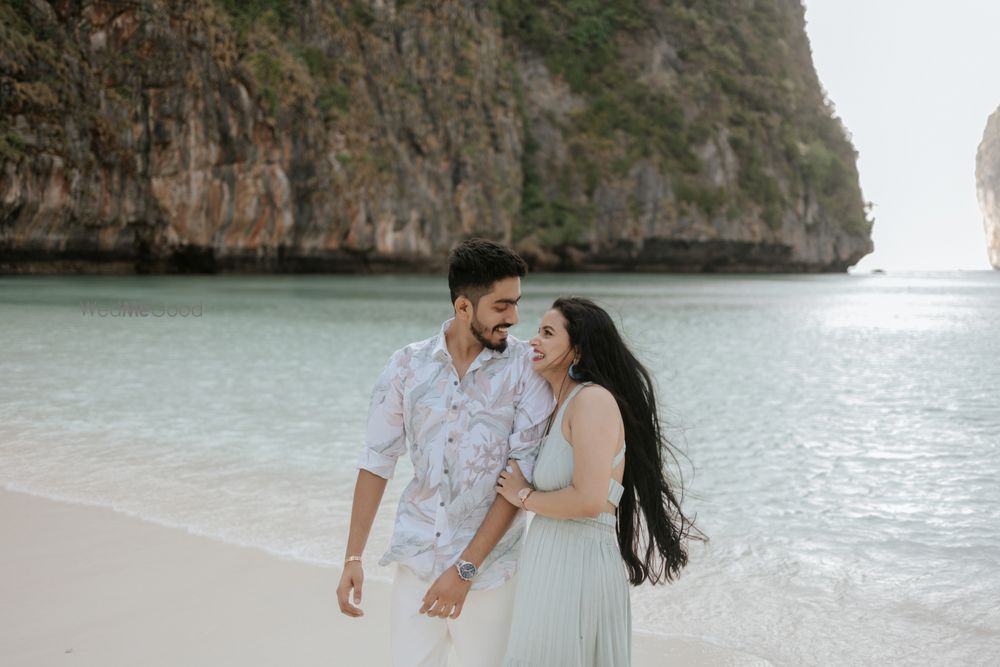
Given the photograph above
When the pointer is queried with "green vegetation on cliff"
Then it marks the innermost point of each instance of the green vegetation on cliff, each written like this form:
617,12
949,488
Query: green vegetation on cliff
747,72
581,126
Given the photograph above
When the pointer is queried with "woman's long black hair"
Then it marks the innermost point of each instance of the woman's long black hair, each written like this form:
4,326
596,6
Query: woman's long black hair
651,505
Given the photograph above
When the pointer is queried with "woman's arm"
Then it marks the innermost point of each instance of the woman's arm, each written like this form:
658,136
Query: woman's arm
595,426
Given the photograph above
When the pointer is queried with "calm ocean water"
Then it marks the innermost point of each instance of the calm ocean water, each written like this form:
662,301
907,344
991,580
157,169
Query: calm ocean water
843,433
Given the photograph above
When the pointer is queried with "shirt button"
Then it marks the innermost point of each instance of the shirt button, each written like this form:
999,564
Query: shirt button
451,439
437,534
455,383
446,471
454,406
442,504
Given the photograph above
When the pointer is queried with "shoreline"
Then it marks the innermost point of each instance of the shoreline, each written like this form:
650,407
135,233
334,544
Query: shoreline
667,256
113,589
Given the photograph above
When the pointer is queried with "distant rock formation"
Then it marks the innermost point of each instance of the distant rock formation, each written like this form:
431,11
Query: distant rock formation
988,185
362,135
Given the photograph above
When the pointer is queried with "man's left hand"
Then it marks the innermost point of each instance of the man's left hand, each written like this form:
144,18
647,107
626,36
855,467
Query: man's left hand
446,596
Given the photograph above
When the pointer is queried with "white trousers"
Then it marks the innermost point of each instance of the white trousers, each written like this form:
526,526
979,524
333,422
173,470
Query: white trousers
478,635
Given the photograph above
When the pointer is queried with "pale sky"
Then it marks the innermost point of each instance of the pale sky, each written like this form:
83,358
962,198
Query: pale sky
914,83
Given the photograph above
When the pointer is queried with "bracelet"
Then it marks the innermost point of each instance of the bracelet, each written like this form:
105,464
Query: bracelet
352,559
525,499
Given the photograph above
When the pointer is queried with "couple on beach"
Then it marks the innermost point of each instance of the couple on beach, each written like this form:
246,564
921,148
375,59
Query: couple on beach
496,426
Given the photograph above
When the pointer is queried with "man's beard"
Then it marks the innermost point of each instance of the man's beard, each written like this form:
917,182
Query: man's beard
479,331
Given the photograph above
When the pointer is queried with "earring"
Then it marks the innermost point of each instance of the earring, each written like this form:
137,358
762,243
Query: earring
575,373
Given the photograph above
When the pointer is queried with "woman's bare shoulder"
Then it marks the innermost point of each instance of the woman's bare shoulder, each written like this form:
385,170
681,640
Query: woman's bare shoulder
594,394
595,401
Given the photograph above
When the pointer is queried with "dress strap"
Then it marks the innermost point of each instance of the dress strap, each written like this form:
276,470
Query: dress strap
615,489
569,397
557,418
619,457
615,492
573,392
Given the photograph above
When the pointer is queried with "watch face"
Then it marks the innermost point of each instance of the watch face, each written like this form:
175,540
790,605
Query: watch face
523,493
467,570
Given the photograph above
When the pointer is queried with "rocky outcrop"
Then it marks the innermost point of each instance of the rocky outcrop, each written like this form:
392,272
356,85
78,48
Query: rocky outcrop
988,185
278,135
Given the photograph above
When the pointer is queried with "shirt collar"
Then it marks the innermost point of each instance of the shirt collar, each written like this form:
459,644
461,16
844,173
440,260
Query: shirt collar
441,346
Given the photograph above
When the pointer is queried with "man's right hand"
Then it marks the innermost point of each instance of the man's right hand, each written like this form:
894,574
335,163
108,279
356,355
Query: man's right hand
351,580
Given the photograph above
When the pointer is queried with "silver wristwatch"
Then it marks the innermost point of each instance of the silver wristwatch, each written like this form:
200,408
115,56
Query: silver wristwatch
466,570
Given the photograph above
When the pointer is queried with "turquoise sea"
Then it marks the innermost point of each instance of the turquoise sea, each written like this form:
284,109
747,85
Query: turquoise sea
841,433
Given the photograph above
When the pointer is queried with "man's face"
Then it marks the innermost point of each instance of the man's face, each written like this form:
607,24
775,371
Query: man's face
495,313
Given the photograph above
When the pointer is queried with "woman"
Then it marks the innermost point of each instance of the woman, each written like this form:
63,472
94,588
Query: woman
572,602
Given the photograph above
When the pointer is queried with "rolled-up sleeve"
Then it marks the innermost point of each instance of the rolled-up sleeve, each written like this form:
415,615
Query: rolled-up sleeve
385,438
532,409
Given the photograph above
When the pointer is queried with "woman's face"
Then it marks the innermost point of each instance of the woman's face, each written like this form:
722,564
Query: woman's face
552,352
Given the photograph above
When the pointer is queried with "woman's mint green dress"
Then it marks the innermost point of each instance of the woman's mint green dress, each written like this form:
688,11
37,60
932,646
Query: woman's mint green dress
571,608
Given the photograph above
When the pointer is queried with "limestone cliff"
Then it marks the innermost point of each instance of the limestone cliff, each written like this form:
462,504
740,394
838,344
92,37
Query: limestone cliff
299,135
988,185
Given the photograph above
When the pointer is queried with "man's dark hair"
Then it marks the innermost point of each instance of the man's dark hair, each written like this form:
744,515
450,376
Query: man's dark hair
476,264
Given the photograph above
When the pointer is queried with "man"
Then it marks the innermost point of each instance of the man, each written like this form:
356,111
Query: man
465,400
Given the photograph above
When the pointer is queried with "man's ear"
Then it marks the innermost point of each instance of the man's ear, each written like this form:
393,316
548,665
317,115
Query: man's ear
463,308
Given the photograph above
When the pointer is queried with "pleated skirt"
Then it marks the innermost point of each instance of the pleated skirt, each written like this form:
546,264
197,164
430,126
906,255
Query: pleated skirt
571,607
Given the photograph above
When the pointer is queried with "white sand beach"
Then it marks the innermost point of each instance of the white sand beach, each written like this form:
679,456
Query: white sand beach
86,585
